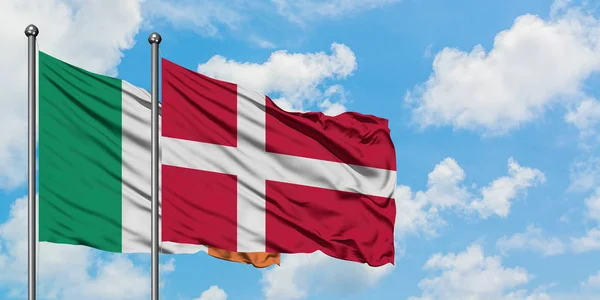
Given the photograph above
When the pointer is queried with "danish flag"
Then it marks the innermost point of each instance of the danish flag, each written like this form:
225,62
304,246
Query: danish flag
241,174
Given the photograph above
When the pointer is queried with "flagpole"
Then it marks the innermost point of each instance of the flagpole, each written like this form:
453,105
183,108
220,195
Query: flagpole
31,32
154,39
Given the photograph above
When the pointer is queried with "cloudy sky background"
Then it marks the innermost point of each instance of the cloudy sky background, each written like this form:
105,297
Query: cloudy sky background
494,110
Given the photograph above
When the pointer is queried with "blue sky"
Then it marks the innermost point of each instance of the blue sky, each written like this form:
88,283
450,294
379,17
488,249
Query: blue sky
493,107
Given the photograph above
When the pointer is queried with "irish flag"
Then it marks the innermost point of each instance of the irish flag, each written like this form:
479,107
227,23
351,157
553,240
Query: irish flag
94,164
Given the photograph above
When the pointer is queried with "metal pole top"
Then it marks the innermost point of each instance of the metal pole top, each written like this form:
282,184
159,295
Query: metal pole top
32,30
154,38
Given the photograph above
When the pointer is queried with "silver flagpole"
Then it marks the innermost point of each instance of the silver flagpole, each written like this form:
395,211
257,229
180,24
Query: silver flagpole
31,32
154,39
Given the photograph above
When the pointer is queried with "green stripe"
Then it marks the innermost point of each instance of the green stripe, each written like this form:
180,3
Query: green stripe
79,156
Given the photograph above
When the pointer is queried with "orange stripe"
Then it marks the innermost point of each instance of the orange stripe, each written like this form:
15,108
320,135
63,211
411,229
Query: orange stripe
257,259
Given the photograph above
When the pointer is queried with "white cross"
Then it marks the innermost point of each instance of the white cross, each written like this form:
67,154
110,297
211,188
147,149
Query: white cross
253,166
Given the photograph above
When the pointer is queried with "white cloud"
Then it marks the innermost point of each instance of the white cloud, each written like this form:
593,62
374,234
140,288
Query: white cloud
444,187
240,18
332,109
427,53
592,204
202,16
286,105
472,275
65,271
532,239
74,31
298,78
524,295
585,116
593,282
589,242
533,65
559,6
302,274
261,42
415,214
168,267
117,278
301,11
420,211
585,174
164,269
213,293
497,196
334,102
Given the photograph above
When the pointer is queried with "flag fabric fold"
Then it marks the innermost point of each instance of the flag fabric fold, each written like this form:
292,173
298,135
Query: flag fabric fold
241,174
94,164
257,259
